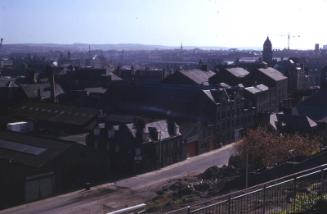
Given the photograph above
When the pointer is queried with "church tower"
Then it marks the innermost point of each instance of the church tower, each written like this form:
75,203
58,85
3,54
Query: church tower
267,54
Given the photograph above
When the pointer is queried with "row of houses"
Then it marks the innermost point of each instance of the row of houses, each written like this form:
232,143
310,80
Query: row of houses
101,129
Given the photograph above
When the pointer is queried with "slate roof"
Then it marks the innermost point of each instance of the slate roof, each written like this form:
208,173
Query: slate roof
262,87
291,122
51,149
180,100
56,113
272,73
33,91
198,76
160,125
257,89
238,72
315,107
253,90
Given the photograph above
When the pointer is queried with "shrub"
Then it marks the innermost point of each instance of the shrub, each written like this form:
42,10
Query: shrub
265,148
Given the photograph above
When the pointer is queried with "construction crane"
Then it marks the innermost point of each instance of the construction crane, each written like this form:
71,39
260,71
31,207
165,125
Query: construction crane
289,37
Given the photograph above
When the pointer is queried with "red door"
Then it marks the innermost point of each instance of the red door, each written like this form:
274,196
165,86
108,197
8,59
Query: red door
192,149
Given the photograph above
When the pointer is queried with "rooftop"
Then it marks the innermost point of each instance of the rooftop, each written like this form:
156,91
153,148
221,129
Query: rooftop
56,113
315,107
291,122
40,90
161,126
257,89
29,150
272,73
238,72
198,76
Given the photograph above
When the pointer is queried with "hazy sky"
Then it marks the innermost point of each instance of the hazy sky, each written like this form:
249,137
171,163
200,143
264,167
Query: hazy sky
227,23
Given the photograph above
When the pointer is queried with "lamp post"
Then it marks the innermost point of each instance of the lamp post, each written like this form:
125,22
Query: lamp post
160,156
291,153
246,169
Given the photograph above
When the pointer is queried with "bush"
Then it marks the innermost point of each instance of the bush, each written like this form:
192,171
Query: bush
265,148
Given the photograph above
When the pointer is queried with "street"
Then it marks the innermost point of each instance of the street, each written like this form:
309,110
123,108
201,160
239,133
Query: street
126,192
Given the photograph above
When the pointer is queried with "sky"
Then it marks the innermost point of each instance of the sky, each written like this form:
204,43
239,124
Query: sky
218,23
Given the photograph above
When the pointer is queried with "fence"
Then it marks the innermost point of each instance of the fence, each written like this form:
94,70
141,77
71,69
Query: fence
290,194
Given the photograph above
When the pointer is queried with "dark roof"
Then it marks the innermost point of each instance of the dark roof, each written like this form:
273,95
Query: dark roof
40,90
13,149
124,118
291,122
198,76
56,113
221,95
178,100
238,72
315,107
272,73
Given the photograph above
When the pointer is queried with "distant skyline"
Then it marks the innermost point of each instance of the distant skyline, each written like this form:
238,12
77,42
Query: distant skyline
214,23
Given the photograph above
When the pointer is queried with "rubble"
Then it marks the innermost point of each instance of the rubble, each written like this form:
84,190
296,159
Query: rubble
208,184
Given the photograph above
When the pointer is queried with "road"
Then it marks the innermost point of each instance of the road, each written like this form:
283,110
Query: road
126,192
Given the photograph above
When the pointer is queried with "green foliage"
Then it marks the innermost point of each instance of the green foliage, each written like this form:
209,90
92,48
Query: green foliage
307,203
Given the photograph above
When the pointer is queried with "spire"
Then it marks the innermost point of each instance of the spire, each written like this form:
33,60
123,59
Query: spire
267,42
267,54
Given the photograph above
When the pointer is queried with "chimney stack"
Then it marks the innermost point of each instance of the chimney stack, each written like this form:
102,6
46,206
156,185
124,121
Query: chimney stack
172,129
139,126
52,83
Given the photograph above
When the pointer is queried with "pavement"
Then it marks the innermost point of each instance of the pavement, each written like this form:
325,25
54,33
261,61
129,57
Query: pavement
126,192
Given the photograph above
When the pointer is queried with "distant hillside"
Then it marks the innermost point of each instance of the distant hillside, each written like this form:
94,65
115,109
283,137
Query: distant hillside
44,47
